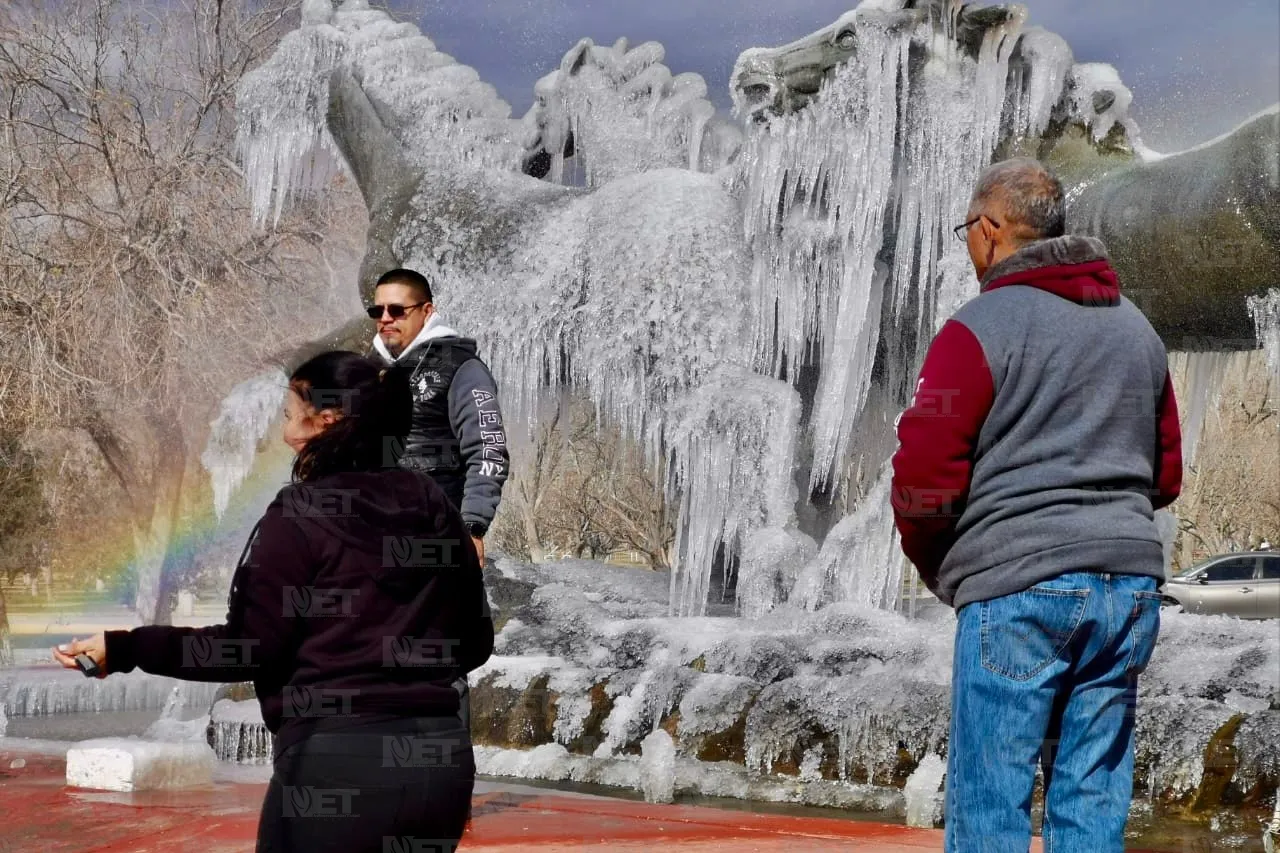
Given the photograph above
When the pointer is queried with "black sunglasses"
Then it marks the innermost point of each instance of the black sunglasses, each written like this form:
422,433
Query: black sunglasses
962,230
396,311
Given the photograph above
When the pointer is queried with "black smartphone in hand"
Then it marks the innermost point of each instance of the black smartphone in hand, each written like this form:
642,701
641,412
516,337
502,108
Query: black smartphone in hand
87,666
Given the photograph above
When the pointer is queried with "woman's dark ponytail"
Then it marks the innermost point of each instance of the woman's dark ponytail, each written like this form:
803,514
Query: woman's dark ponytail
375,408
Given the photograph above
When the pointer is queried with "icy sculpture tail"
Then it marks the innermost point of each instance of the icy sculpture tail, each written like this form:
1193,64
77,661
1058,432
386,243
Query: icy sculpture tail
444,112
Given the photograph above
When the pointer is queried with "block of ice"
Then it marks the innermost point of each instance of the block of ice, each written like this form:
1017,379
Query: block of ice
127,764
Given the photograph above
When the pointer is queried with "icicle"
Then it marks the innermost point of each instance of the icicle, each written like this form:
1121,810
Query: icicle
282,138
859,562
815,282
1048,61
731,463
1265,311
243,420
1202,377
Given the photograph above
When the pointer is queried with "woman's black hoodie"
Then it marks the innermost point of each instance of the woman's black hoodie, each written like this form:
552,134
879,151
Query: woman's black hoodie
360,596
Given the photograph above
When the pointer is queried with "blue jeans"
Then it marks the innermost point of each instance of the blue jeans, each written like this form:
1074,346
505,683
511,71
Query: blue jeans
1048,675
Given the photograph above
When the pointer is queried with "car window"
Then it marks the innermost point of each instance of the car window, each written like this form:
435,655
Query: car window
1239,569
1271,568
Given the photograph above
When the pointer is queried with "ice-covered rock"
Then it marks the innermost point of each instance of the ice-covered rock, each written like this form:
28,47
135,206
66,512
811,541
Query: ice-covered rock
820,707
124,764
713,716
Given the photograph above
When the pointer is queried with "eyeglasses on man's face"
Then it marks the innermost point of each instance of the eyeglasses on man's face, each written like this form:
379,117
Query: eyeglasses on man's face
962,231
375,312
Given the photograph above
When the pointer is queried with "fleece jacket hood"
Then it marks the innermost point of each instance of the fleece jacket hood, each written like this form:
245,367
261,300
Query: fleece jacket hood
1075,268
434,329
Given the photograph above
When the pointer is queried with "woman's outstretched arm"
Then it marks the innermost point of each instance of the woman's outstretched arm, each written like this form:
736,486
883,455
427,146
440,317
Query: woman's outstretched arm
269,598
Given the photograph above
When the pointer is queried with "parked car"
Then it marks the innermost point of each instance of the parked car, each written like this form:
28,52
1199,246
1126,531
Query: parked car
1245,585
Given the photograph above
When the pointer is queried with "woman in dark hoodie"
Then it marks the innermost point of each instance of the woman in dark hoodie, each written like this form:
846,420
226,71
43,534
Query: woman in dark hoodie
358,601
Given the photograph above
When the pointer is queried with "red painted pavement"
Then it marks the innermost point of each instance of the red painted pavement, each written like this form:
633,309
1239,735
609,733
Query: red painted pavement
41,814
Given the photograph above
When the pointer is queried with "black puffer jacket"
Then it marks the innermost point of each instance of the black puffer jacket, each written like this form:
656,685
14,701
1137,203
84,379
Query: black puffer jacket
457,435
359,596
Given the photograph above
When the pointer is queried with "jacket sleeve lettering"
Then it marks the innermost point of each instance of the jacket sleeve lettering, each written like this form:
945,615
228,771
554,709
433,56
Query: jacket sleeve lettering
477,422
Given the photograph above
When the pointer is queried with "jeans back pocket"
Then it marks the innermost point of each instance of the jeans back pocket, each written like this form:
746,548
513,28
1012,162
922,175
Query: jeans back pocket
1025,632
1144,629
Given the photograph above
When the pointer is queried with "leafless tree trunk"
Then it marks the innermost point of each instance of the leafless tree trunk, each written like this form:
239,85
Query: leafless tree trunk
538,474
582,488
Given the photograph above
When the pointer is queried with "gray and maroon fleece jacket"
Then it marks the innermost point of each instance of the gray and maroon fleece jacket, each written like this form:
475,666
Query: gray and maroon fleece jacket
1043,434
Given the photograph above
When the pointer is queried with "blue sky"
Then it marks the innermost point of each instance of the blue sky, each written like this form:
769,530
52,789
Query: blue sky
1196,69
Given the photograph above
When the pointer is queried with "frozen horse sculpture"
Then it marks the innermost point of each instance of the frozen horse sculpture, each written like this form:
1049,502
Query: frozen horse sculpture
631,292
750,308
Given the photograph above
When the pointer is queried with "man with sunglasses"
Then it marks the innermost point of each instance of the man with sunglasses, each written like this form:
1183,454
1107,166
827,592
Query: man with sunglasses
1042,438
456,435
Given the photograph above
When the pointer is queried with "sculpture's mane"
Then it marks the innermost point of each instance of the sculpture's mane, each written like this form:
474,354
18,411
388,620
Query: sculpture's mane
620,110
434,107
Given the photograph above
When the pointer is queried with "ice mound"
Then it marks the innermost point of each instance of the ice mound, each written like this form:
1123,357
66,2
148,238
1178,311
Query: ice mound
658,767
42,691
846,706
845,694
127,764
921,792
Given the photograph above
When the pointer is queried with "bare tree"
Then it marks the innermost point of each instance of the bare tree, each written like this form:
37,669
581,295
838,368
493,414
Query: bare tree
1231,496
581,487
133,289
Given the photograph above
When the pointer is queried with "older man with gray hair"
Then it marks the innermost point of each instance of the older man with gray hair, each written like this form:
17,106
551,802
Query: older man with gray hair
1042,438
